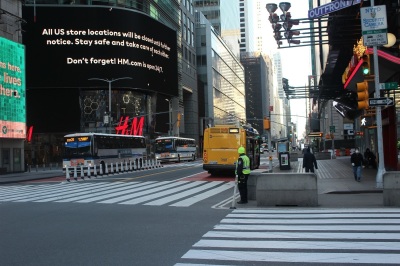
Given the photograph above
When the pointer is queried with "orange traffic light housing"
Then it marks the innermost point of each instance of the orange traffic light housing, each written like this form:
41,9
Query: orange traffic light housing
362,95
178,120
267,123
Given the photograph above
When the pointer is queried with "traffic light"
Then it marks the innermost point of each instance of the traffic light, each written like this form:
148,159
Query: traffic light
274,19
362,95
285,84
267,123
178,121
366,66
288,23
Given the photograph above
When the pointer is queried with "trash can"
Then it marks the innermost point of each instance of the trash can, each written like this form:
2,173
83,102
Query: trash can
284,161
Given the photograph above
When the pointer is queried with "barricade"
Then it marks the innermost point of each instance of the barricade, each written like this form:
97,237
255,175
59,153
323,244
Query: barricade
287,189
322,155
391,189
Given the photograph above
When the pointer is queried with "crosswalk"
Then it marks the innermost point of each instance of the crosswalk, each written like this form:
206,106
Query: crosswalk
315,236
152,193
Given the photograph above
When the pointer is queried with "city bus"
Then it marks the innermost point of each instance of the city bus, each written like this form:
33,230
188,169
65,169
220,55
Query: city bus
89,149
175,149
220,148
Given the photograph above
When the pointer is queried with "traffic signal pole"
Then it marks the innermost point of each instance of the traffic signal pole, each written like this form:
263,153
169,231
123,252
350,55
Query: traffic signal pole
381,165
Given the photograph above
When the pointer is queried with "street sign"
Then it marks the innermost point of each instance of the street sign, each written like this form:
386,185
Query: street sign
378,37
374,25
332,129
381,101
331,7
388,86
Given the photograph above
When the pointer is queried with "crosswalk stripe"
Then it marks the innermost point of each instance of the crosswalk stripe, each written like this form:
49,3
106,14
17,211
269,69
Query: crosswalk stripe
297,257
290,244
310,227
113,193
62,194
296,235
163,193
310,222
174,197
142,193
348,236
200,197
78,197
178,193
36,194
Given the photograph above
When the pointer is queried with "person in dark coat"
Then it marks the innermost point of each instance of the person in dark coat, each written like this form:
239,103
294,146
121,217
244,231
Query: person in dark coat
369,158
309,161
357,162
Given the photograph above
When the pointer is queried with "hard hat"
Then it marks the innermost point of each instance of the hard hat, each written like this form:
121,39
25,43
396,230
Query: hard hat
241,150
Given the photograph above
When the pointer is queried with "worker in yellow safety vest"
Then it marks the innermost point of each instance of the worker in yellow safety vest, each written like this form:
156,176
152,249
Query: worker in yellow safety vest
242,173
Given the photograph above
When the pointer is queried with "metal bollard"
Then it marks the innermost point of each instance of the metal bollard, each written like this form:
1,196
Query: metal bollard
75,174
67,174
111,169
88,171
94,170
82,173
101,170
106,169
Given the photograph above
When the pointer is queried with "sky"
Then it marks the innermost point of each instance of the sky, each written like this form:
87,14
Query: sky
296,62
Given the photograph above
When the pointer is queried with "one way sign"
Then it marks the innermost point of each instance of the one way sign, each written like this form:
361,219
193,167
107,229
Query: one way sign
381,101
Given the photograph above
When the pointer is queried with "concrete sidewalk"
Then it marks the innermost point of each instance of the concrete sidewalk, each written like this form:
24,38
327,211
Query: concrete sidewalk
336,184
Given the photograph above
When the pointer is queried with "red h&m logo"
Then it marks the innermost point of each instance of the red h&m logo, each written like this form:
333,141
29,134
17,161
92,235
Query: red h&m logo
136,126
29,132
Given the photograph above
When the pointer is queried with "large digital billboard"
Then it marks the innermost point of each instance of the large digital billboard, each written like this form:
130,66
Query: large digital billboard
69,46
12,90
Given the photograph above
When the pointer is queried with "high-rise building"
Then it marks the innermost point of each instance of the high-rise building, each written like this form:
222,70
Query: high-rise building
221,77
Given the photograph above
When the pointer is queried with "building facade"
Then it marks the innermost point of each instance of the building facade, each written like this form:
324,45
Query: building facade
12,88
103,86
221,78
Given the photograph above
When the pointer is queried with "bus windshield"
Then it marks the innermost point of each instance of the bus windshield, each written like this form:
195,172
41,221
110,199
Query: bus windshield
164,145
77,146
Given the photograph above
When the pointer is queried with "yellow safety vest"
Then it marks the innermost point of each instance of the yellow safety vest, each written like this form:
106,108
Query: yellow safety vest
246,164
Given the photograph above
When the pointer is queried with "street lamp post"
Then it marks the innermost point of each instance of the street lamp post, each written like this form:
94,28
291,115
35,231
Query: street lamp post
109,93
170,116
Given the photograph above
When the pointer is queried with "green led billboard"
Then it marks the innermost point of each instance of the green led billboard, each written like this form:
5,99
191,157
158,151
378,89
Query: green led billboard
12,90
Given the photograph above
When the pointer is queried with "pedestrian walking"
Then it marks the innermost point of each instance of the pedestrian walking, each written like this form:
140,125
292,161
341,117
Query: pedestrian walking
369,158
242,173
357,163
309,161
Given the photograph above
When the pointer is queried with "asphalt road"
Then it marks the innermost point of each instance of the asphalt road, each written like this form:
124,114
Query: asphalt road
179,215
70,233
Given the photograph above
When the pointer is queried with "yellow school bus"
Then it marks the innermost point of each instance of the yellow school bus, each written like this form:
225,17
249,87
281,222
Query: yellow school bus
221,143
